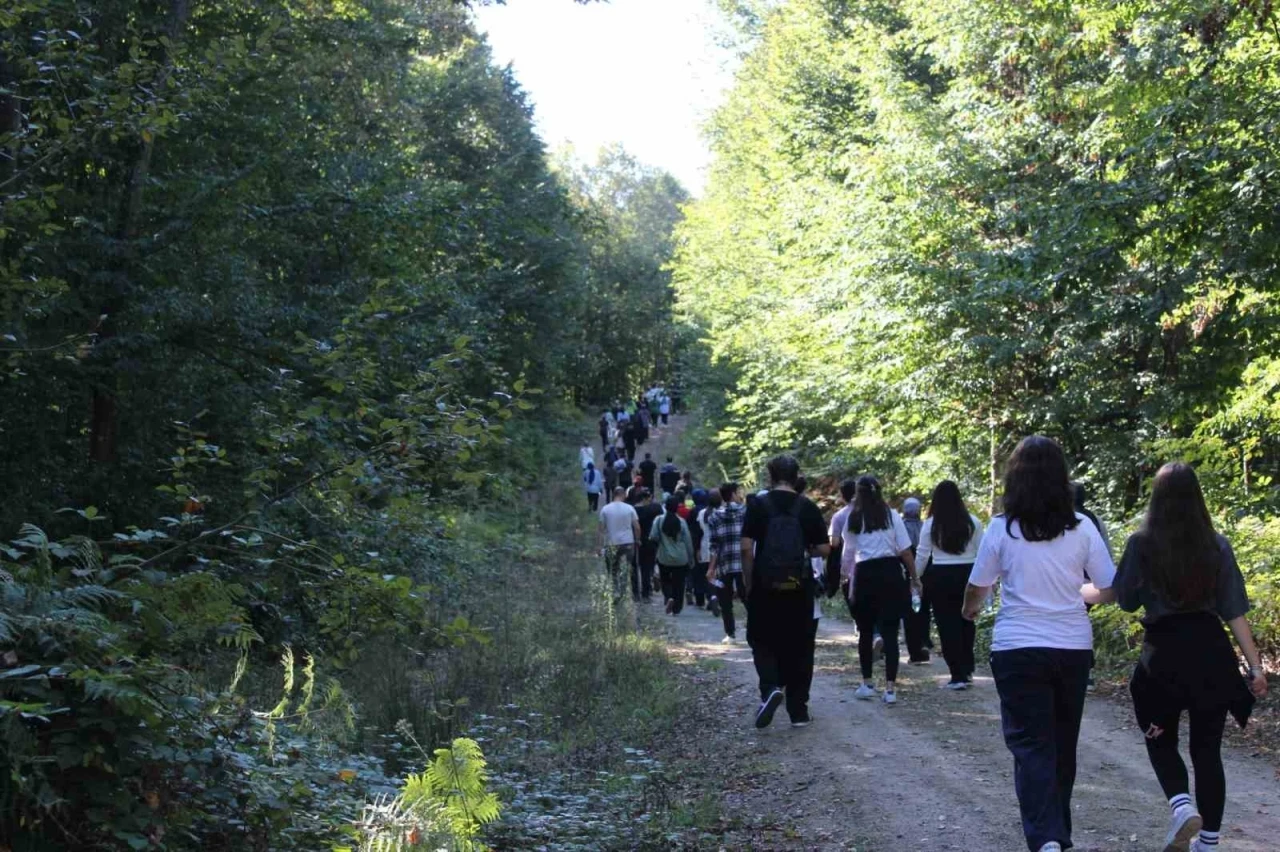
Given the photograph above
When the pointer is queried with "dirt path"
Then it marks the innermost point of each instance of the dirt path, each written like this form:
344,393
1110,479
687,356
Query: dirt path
932,772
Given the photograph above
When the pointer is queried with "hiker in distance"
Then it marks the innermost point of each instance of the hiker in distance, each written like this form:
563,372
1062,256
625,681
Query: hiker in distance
1040,550
781,532
884,577
619,533
1185,578
949,542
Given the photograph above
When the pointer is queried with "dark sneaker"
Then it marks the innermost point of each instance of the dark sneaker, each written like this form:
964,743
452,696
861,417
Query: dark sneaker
764,716
801,719
671,605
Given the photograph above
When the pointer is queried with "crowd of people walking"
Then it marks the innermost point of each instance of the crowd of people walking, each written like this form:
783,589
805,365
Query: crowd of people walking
1046,559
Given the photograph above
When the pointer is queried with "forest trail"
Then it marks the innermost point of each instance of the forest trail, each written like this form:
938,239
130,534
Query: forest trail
932,772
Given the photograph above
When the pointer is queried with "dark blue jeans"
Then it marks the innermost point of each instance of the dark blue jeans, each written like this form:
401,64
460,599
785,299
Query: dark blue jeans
1042,694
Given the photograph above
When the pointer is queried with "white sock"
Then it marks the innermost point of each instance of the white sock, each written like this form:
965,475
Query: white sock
1182,800
1209,838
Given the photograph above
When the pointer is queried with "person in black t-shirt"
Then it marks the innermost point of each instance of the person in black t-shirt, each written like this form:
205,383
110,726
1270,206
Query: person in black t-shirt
642,574
781,627
648,468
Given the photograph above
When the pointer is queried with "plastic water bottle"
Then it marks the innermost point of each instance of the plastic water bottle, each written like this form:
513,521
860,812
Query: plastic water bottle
915,601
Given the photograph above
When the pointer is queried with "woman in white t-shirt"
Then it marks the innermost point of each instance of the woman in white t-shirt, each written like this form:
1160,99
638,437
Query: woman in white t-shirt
1040,551
949,543
884,575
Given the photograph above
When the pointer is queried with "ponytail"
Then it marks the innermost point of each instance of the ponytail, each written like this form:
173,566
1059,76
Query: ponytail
671,520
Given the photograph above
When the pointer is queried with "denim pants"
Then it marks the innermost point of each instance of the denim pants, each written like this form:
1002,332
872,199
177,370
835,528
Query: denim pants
1042,692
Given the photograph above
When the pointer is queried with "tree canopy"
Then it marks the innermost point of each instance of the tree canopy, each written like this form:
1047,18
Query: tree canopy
934,228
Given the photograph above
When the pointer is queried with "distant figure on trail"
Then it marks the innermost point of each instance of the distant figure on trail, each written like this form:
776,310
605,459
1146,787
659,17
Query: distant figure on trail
686,482
629,438
706,505
916,624
949,543
664,408
642,577
1185,577
669,478
675,554
586,454
619,532
780,533
724,529
593,482
648,468
1042,648
884,575
1081,494
606,426
643,422
609,467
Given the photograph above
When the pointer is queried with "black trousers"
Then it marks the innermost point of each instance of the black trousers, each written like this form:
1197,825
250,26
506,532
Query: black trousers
782,632
881,597
664,420
698,584
593,502
916,628
732,583
673,580
642,570
1042,693
944,585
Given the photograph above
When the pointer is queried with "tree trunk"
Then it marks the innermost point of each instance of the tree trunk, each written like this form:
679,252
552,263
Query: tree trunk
104,414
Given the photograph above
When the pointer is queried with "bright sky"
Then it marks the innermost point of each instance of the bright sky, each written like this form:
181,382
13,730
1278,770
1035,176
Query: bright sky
644,73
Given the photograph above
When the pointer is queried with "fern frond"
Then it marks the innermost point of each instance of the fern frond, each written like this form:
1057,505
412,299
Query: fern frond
88,596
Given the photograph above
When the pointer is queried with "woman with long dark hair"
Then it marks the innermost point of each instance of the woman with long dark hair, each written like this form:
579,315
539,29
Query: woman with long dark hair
1042,650
1185,578
675,554
949,543
884,574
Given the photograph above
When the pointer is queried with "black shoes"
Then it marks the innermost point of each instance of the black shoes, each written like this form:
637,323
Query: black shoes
764,716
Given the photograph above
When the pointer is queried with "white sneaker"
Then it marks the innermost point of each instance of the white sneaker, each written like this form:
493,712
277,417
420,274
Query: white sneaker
728,640
1051,846
956,685
1197,846
890,697
866,692
1184,826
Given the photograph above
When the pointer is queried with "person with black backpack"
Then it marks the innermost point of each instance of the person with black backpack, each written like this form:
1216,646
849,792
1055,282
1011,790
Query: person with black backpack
780,534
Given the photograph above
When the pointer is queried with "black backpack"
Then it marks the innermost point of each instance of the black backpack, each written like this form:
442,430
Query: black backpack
782,562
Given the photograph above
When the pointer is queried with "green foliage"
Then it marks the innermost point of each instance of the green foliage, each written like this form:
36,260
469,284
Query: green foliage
934,228
279,287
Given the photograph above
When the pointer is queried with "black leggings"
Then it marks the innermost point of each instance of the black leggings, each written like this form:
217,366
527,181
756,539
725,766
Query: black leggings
673,580
880,599
1206,756
593,501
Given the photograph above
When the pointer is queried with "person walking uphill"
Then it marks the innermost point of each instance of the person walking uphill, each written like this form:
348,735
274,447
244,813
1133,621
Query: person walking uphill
781,532
916,622
1185,578
1042,650
675,554
949,543
884,575
593,482
619,533
724,528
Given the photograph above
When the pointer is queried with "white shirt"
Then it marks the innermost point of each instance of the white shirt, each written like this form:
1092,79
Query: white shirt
877,544
940,556
586,454
1040,602
839,521
704,546
616,519
819,568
